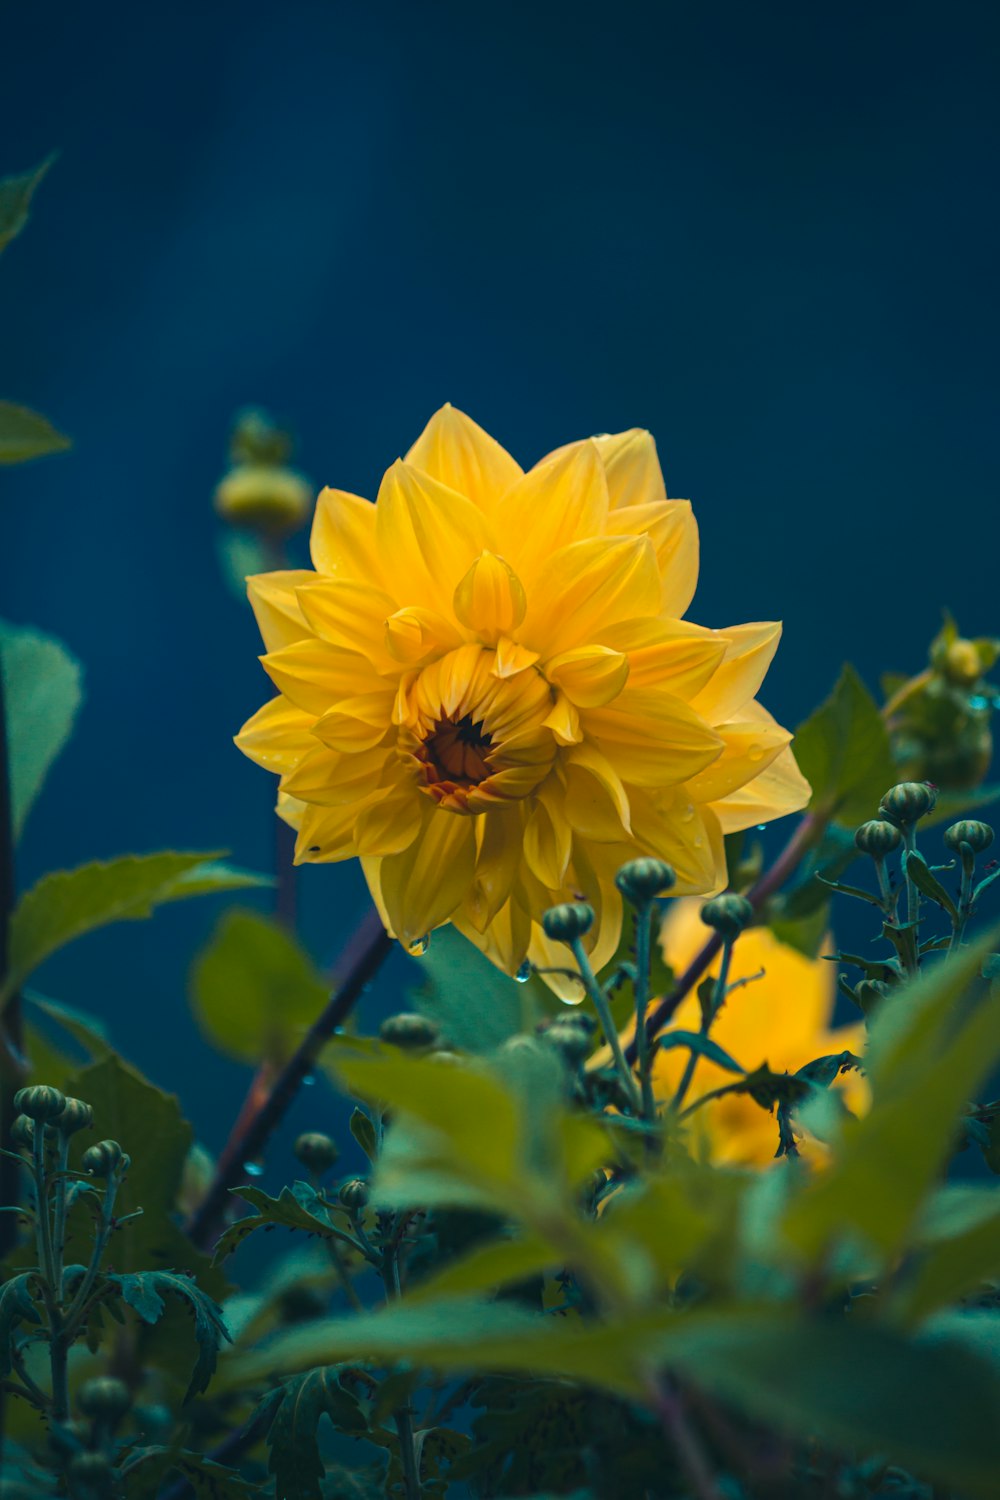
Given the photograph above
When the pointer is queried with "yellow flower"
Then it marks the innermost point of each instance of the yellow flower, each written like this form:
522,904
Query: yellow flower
488,692
783,1019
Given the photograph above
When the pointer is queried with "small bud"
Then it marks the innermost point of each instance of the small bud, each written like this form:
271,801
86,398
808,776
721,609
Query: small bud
409,1031
878,838
91,1471
40,1103
642,879
869,994
101,1160
908,802
978,836
265,497
75,1116
728,914
22,1132
104,1398
354,1194
566,923
316,1151
962,663
572,1042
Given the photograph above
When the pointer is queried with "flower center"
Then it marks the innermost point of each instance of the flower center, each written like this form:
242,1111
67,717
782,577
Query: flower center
457,751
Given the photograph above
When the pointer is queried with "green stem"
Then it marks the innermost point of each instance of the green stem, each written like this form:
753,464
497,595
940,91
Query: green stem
912,893
59,1214
645,1050
964,900
78,1307
402,1416
889,898
721,986
600,1000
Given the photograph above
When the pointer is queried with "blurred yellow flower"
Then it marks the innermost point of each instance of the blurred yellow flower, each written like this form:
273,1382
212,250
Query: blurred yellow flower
782,1019
488,692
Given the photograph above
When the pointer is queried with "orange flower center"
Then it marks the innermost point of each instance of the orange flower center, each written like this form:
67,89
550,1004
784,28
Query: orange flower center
457,752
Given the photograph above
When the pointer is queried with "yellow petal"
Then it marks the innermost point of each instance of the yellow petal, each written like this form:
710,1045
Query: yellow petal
426,884
564,721
749,749
735,682
390,825
343,537
326,834
499,836
332,778
596,803
652,738
428,536
590,676
490,599
559,501
453,449
630,463
277,735
276,608
350,615
671,654
671,827
314,674
413,636
548,836
779,790
588,586
505,941
512,658
673,531
356,723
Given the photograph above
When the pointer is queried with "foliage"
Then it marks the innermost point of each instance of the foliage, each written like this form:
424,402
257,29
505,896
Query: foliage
42,693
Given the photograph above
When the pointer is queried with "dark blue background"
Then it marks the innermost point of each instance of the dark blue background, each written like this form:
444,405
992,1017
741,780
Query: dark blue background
767,232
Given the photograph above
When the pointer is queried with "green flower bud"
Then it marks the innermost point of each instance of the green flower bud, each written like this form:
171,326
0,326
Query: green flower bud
869,994
908,802
354,1194
91,1471
572,1042
104,1398
962,663
265,497
878,838
316,1151
75,1116
103,1159
728,914
642,879
22,1132
40,1103
409,1031
567,922
978,836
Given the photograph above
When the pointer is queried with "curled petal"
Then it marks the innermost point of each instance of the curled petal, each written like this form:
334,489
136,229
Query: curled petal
277,735
590,676
332,778
349,615
512,658
413,636
276,608
749,749
490,599
596,803
390,825
671,654
585,588
548,835
779,790
564,721
358,723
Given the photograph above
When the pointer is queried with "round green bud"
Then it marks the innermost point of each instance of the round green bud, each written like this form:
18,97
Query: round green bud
878,838
22,1132
354,1194
570,1041
908,802
978,836
728,914
104,1398
409,1031
265,497
40,1103
75,1116
91,1471
642,879
962,663
316,1151
869,994
566,923
101,1160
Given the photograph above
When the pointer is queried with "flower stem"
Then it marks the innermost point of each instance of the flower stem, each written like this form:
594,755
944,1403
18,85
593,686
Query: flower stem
721,986
965,900
12,1066
645,1051
608,1026
668,1407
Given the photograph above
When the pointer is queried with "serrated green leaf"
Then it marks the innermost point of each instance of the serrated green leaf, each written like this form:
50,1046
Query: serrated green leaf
703,1045
294,1458
16,193
144,1292
68,903
299,1208
17,1305
42,695
254,990
843,751
26,434
472,1003
143,1477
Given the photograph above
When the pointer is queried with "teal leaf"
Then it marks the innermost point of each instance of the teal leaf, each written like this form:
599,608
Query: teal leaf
299,1208
843,751
294,1457
42,690
16,194
17,1305
703,1046
144,1293
26,434
471,1002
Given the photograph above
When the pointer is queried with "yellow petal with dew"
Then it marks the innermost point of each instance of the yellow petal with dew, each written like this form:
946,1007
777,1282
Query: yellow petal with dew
735,682
326,834
749,749
585,588
671,654
776,792
350,615
276,608
277,735
673,532
590,676
455,450
652,738
672,827
428,536
505,941
427,883
342,543
561,500
490,599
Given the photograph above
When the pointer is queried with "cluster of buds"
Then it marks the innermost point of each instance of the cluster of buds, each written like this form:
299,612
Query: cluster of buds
260,492
58,1115
939,720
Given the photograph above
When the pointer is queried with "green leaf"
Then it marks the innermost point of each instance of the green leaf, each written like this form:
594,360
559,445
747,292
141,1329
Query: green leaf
42,694
950,1268
295,1458
843,751
300,1207
487,1267
694,1041
143,1477
473,1004
25,434
144,1292
915,866
806,933
363,1132
16,1306
254,990
86,1030
16,194
68,903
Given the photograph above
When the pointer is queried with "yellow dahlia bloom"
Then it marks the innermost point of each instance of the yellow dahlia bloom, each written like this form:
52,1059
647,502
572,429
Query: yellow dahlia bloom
488,693
783,1019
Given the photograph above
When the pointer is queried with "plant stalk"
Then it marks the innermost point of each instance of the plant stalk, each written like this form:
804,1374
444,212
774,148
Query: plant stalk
608,1026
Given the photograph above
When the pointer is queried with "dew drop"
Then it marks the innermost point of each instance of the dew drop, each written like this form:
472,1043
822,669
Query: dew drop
309,1080
571,1001
978,702
755,752
253,1168
687,813
996,703
419,948
761,827
524,972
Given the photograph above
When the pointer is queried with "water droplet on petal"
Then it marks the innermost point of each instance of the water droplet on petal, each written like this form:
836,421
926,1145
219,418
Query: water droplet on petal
418,948
755,752
309,1080
524,972
253,1168
687,813
761,827
573,999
